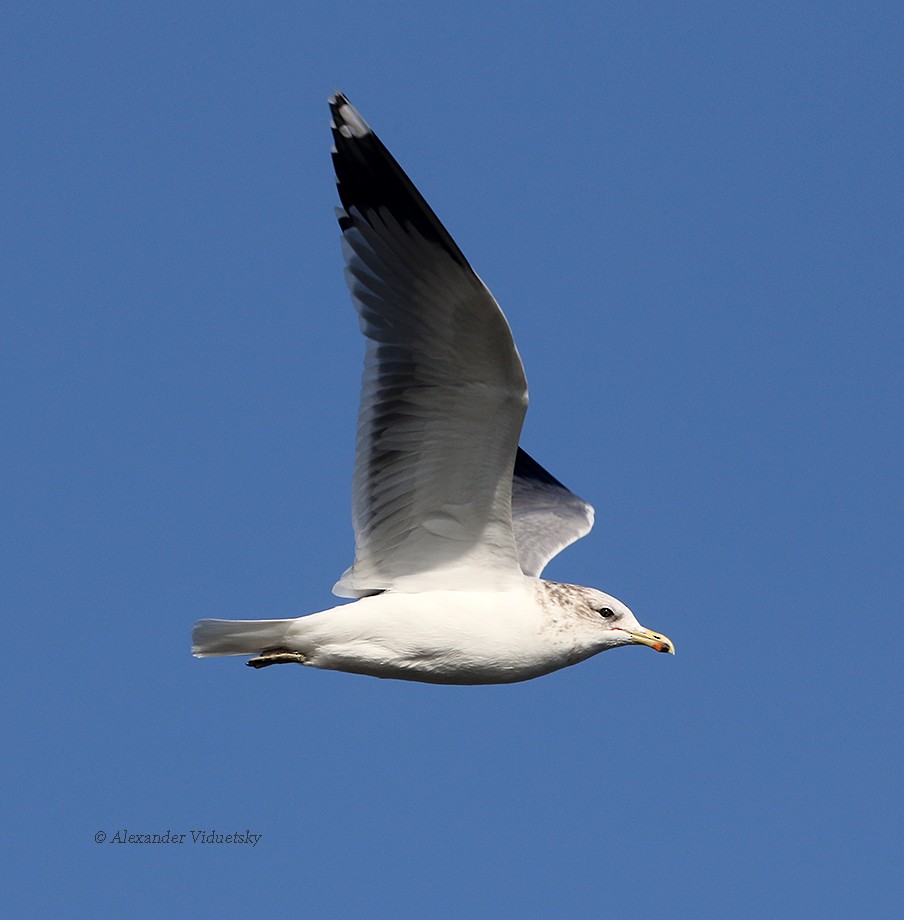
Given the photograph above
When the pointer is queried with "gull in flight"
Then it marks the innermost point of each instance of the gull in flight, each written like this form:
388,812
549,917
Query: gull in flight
454,522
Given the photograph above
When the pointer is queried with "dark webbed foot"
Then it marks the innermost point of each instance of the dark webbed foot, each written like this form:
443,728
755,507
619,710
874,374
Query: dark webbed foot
275,656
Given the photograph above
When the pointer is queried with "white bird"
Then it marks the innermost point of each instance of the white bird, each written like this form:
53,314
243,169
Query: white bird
454,522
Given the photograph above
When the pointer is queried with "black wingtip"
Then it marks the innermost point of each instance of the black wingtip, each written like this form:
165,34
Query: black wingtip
369,178
337,99
528,468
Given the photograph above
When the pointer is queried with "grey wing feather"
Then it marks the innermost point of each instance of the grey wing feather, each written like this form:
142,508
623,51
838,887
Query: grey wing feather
443,394
546,516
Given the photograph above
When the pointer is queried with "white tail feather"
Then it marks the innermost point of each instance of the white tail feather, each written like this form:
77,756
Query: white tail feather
236,637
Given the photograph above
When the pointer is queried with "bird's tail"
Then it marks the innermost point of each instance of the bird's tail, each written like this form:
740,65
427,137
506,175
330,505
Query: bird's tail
236,637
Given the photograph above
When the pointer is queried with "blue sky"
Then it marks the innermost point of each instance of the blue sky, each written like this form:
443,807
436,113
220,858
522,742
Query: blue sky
691,215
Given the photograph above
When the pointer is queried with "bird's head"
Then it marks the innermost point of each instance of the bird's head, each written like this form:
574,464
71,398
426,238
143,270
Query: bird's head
605,622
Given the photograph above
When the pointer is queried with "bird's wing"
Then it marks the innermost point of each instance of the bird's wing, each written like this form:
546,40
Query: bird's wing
546,516
443,393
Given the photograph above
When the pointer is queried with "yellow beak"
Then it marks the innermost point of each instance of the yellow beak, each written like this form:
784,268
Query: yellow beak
655,640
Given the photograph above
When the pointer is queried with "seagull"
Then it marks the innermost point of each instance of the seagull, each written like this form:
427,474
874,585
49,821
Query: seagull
454,522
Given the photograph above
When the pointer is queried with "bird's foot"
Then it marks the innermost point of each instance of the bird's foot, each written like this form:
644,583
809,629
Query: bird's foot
275,656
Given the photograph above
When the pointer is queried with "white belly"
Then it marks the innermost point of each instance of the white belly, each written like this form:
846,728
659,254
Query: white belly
454,637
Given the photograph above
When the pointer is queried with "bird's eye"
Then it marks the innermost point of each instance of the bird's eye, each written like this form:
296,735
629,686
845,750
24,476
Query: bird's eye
606,613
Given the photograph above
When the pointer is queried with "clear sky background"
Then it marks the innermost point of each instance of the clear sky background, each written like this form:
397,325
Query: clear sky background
692,216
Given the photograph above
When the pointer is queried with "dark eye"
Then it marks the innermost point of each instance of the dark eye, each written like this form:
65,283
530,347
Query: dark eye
606,613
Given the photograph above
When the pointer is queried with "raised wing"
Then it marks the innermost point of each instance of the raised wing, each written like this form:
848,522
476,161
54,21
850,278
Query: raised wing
443,394
546,516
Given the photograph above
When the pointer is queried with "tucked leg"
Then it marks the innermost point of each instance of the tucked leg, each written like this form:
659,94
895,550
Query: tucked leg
275,656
